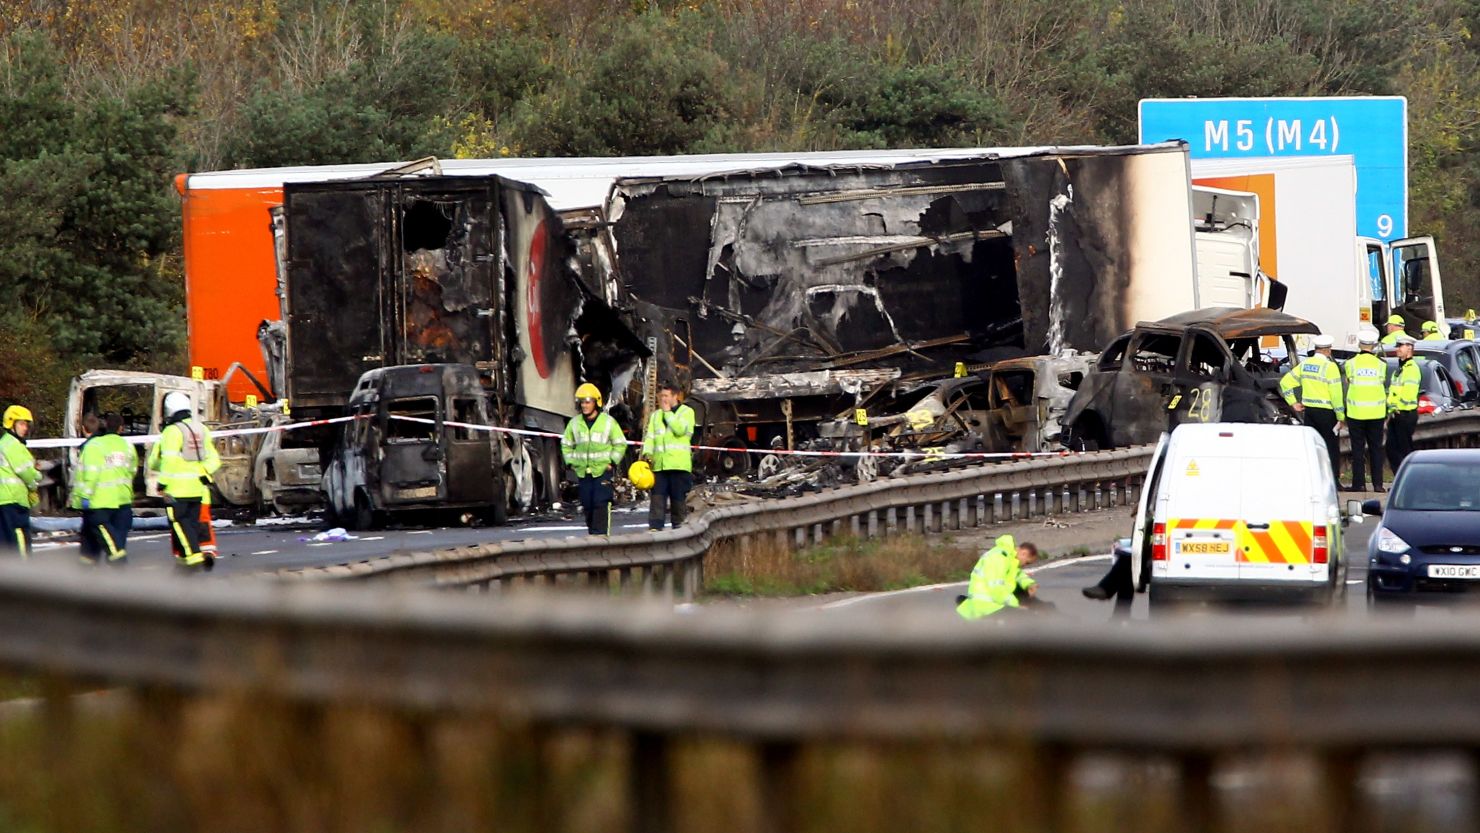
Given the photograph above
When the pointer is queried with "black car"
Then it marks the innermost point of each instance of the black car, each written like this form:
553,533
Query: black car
1460,360
1429,539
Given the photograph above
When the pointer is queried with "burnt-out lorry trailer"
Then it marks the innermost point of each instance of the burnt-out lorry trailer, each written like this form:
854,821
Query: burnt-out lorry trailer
438,271
779,295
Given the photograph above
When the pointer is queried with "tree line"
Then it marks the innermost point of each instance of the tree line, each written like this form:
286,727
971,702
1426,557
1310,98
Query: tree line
103,101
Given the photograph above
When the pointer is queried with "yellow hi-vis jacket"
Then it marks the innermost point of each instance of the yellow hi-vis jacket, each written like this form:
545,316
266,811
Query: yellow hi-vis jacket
590,449
1319,383
1403,394
185,458
18,474
668,439
1366,387
106,465
995,581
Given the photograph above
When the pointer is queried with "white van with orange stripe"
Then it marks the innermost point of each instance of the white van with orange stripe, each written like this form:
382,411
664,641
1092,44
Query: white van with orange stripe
1239,511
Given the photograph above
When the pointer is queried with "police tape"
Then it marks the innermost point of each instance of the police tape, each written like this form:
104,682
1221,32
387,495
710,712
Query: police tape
144,439
926,454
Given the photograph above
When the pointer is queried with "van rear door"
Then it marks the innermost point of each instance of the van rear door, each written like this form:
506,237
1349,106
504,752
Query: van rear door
1141,535
1277,538
1201,517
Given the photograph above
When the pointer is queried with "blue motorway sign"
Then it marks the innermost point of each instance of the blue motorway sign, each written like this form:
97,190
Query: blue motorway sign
1371,129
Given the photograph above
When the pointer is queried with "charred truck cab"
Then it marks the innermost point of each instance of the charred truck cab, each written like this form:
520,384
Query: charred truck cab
410,448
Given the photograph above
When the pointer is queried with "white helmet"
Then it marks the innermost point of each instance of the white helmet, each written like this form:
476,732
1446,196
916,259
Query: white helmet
1322,342
1367,336
175,402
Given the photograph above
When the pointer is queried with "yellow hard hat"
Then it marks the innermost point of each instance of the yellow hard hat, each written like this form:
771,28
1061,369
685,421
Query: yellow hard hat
15,413
1430,326
641,475
589,391
1396,320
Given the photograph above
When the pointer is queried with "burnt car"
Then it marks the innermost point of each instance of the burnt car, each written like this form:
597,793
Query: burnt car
1009,406
412,446
1217,364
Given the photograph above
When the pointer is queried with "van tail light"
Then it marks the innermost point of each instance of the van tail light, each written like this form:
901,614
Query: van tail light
1425,404
1159,542
1459,387
1319,553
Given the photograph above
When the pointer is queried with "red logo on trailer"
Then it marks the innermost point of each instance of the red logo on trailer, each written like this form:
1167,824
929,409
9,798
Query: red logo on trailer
534,321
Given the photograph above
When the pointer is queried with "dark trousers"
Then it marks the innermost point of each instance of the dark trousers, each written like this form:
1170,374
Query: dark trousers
596,498
1366,452
15,528
670,493
1324,421
105,533
184,517
1119,583
1400,437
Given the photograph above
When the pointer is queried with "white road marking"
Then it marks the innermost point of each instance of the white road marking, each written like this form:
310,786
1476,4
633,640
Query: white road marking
372,538
149,537
265,552
1051,565
423,532
1355,581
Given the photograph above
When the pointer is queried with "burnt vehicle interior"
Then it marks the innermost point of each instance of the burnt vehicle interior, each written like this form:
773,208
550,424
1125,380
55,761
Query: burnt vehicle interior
134,403
1203,365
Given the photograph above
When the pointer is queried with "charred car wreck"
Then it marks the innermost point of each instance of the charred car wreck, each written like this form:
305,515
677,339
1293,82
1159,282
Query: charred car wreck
1209,365
1010,406
780,297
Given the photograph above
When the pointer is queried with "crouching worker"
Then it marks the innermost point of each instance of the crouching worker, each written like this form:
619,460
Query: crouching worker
998,580
104,489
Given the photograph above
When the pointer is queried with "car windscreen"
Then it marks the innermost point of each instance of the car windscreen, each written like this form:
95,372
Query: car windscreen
1438,486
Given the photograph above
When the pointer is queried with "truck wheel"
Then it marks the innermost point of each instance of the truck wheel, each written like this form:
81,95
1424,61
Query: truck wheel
361,517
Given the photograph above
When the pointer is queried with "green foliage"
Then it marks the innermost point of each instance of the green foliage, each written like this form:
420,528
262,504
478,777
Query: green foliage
651,90
88,227
913,106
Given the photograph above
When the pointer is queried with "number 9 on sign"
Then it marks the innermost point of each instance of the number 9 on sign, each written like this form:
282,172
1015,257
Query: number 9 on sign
1384,225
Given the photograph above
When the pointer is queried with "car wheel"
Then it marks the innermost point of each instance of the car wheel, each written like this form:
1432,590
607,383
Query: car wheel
1389,604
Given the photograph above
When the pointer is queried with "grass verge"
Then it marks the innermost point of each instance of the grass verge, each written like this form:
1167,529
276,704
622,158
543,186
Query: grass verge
840,565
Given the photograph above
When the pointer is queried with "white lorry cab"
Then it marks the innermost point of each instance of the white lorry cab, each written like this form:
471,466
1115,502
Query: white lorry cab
1239,512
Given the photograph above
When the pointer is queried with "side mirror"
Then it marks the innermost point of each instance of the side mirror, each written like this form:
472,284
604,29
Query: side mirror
1353,513
1372,506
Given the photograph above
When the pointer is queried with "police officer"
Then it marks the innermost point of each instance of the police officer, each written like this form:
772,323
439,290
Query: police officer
998,580
103,488
1317,381
1431,331
1403,404
186,459
667,445
1395,324
1366,408
593,445
19,478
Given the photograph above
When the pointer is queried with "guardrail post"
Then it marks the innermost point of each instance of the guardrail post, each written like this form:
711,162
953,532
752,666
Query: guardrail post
624,581
909,519
855,526
997,503
1032,503
1339,771
891,521
648,586
961,514
873,524
799,535
1099,497
668,582
778,777
1065,502
1199,809
649,783
1017,506
927,522
1081,498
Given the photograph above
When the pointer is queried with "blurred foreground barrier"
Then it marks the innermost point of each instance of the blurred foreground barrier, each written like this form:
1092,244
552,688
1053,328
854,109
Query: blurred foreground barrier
329,673
671,563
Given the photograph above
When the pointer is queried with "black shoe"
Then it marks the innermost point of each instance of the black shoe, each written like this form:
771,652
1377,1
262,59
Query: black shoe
1096,592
